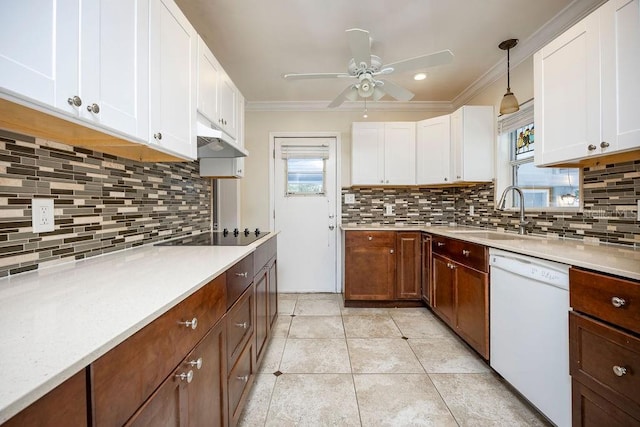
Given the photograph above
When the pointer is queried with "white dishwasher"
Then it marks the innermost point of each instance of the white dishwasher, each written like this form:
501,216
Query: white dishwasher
529,306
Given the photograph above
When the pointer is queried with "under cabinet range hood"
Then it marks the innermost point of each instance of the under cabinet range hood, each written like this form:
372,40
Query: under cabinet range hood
215,143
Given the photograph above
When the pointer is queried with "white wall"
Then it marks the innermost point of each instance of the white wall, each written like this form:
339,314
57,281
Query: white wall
258,125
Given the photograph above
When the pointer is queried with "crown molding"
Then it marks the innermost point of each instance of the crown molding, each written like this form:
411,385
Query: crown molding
567,17
436,106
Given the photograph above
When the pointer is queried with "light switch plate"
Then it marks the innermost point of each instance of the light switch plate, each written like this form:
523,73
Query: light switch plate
349,199
42,218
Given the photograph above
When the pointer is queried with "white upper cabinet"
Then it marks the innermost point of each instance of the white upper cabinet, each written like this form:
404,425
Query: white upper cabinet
383,153
586,87
173,75
433,145
42,62
86,58
217,95
472,142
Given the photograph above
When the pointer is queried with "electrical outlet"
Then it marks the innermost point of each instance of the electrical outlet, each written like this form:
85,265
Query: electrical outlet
388,210
42,219
349,199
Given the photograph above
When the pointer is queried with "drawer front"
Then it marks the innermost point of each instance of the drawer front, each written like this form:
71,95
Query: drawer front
238,278
608,298
239,326
239,382
371,238
466,253
263,254
125,377
606,360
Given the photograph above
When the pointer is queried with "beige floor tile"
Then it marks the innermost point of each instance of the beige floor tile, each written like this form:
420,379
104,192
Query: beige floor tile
315,356
382,355
357,311
371,326
410,311
447,355
257,406
273,356
321,307
316,327
320,296
483,400
400,400
281,327
313,400
423,325
286,305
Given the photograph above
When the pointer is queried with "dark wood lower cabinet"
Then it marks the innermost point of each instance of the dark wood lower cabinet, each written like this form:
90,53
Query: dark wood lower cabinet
408,267
425,280
64,406
472,307
370,265
443,302
590,409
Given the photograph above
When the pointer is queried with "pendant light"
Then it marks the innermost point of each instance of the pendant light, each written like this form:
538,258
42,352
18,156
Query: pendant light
509,102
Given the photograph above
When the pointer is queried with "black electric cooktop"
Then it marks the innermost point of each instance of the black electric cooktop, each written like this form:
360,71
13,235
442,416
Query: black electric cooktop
218,238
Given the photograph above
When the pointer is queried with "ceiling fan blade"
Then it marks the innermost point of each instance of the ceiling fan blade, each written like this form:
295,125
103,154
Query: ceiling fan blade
350,93
377,93
424,61
398,92
301,76
360,45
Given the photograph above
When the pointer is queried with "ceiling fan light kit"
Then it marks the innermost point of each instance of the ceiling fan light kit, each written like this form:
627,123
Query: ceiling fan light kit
366,68
509,102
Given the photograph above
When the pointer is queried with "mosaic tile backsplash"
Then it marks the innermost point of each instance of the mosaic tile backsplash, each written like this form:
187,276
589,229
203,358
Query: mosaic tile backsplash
102,203
609,214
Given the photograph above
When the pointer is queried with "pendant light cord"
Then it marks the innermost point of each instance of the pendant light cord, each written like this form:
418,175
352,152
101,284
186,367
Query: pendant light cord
508,71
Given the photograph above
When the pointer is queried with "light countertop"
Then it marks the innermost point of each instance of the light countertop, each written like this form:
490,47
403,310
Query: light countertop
57,320
619,260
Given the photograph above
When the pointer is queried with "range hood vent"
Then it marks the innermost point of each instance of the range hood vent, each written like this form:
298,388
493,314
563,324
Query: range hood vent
215,143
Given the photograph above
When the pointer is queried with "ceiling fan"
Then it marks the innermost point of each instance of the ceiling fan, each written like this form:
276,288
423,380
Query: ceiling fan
366,70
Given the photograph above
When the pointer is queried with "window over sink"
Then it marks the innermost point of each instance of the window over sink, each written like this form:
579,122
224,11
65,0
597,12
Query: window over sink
543,188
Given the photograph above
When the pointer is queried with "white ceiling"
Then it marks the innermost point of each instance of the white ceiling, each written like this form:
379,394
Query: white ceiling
257,41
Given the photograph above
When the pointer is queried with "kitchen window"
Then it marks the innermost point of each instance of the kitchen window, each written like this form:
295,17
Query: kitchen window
543,188
305,169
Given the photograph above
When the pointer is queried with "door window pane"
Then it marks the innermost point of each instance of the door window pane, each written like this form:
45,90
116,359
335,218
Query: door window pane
305,177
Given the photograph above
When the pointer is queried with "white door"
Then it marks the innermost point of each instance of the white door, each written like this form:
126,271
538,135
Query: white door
305,213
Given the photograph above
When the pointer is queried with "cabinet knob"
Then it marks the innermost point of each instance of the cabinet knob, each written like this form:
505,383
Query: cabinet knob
239,170
440,244
370,238
93,108
242,325
604,144
446,179
458,177
196,363
382,181
193,323
158,136
591,147
466,252
75,101
618,302
243,378
619,370
391,251
188,377
331,227
245,274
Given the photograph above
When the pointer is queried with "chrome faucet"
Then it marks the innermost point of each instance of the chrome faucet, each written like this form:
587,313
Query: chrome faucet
524,224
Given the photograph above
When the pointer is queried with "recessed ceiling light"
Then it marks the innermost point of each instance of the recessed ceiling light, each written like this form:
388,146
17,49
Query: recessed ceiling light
420,76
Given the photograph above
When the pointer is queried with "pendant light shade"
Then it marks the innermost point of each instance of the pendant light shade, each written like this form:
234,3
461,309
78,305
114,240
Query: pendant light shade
509,102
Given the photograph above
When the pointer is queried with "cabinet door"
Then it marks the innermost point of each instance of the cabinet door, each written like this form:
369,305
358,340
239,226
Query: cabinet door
473,140
114,64
64,406
167,406
399,153
227,105
408,268
261,284
370,266
620,50
426,270
43,64
273,291
567,93
173,43
367,154
443,302
433,142
207,393
472,307
209,72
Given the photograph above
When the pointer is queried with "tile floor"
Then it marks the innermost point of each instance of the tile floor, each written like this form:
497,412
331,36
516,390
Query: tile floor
328,365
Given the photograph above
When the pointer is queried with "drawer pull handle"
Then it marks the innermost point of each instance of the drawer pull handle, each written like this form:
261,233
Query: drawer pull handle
188,377
466,252
243,378
245,274
619,370
618,302
196,363
440,244
243,325
193,323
